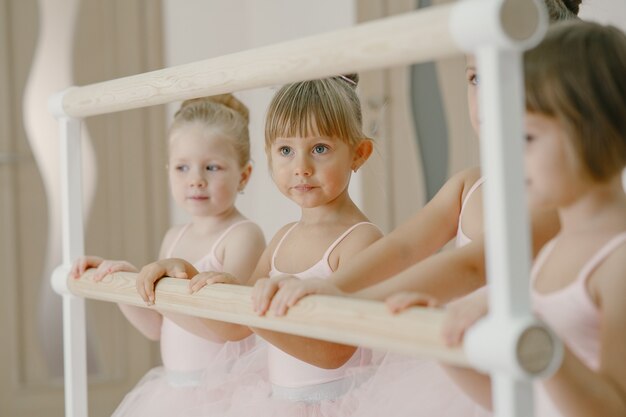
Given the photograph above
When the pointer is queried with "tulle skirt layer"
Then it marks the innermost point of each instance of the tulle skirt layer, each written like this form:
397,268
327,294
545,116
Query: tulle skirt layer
411,387
393,386
165,393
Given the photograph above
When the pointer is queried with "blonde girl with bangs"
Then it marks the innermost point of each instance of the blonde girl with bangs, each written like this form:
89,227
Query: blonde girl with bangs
314,142
209,164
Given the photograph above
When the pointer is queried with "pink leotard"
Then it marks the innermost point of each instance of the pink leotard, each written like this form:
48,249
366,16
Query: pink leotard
461,238
184,354
573,315
295,379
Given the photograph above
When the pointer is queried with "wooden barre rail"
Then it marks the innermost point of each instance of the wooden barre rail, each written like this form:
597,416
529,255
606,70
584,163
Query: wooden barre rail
410,38
337,319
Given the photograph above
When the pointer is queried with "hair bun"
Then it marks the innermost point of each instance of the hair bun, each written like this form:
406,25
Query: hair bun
572,5
227,100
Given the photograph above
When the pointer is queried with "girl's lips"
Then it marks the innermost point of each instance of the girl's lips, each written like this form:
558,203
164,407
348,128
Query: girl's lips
198,197
303,187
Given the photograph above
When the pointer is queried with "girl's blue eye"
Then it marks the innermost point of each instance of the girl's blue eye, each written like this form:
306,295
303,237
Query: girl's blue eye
182,168
320,149
473,79
284,150
212,168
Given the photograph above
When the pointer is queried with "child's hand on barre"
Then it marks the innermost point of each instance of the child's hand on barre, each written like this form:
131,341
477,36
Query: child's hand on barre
264,291
292,290
103,267
207,278
461,314
151,273
405,299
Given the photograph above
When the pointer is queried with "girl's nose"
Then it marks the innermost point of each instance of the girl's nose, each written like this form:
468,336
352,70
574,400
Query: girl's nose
303,167
198,181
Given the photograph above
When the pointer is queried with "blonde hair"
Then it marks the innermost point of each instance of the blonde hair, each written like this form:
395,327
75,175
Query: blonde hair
224,113
328,107
578,76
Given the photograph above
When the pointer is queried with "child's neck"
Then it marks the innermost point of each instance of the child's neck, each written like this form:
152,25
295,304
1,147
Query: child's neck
208,224
336,211
601,209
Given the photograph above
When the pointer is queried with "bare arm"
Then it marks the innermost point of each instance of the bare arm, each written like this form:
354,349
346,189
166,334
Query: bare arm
454,273
421,236
444,276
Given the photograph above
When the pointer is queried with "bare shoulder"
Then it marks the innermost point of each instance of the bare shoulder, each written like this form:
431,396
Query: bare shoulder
467,177
169,238
456,187
248,231
358,239
609,279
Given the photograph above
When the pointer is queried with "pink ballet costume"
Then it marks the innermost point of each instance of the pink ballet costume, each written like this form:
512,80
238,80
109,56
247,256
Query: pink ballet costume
461,237
404,386
193,367
294,388
572,314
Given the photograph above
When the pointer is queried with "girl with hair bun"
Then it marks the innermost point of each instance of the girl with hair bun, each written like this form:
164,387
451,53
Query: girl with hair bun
209,163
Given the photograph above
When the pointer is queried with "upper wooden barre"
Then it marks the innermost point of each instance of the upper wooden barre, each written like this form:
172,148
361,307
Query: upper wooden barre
409,38
337,319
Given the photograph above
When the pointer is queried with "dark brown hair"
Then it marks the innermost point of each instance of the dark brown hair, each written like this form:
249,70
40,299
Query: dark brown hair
559,10
578,75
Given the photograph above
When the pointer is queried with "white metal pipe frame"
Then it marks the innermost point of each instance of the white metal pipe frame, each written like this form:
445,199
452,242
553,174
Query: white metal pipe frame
510,344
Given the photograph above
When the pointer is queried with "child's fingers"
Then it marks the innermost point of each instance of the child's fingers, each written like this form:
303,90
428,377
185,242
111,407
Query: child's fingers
265,296
197,285
264,290
453,328
122,267
74,270
101,271
295,296
149,285
203,279
401,301
277,305
148,275
79,267
288,295
139,286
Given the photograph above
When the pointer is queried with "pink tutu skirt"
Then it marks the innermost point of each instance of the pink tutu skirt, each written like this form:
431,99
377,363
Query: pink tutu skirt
410,387
394,386
165,393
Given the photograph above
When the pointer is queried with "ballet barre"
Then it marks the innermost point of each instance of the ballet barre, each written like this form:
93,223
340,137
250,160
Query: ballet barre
509,343
351,321
336,319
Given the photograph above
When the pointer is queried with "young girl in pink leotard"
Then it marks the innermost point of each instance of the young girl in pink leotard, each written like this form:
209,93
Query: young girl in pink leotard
208,164
575,156
314,142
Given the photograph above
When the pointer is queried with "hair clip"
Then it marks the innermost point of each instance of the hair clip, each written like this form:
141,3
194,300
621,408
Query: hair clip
348,80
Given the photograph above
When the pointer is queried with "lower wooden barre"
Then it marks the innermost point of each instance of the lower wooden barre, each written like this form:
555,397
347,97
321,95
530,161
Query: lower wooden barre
337,319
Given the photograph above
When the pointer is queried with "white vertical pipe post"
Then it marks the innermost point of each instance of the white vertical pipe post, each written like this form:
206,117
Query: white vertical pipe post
74,330
506,219
507,341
